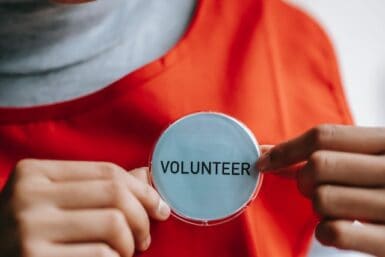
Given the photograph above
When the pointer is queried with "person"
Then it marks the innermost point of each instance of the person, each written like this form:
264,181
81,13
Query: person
67,140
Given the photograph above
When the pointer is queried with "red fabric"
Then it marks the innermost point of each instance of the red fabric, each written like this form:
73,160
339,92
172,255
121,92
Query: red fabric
263,62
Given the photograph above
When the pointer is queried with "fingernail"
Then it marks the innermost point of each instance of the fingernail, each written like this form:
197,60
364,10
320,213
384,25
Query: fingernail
264,162
163,209
146,243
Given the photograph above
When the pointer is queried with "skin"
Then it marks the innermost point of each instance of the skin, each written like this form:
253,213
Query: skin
72,208
50,208
341,169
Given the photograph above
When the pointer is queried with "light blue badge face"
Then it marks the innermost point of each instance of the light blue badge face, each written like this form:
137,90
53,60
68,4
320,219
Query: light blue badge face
203,166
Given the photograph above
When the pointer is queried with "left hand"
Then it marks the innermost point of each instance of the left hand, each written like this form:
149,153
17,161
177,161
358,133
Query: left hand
344,176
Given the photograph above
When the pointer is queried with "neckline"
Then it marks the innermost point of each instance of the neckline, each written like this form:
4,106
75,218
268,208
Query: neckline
63,109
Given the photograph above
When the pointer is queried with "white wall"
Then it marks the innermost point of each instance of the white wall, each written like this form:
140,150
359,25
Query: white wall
357,29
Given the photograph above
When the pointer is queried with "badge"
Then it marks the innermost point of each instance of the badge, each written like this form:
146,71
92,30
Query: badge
204,166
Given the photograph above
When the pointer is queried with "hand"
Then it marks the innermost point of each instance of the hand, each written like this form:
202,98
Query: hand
343,173
82,209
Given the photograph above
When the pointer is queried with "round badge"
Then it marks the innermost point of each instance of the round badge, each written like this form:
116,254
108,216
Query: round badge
203,166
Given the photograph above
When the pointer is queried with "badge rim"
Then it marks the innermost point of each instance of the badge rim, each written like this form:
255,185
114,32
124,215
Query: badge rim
241,209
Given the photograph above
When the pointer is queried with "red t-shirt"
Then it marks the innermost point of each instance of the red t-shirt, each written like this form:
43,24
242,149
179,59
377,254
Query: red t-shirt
263,62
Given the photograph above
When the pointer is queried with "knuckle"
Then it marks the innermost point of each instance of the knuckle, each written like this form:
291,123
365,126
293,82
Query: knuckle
150,194
318,162
305,182
116,223
321,200
23,167
110,170
23,218
118,192
19,192
26,194
25,221
28,223
29,248
102,251
147,191
322,134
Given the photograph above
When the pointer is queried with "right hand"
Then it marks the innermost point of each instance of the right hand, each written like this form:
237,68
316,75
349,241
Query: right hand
71,208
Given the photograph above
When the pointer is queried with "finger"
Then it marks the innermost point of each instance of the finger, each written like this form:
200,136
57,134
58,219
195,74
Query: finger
343,234
141,174
265,148
139,183
350,203
286,172
80,250
351,169
149,198
60,171
106,194
325,137
108,225
64,171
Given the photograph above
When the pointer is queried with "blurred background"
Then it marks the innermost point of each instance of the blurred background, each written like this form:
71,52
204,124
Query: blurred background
357,30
